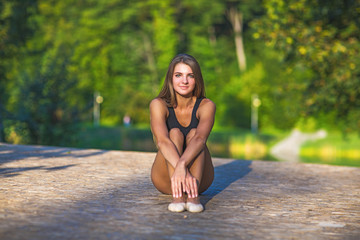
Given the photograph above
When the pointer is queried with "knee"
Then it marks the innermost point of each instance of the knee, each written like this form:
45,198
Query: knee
190,135
176,135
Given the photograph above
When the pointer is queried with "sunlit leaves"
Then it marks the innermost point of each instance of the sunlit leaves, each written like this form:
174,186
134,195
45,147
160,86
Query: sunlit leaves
322,36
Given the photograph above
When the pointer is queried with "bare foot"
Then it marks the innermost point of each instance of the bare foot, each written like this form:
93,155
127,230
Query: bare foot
193,200
178,200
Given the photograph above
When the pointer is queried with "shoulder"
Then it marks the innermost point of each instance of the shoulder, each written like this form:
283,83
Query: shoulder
207,104
207,107
158,105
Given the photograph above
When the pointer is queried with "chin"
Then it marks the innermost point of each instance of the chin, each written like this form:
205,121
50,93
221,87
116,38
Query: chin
187,94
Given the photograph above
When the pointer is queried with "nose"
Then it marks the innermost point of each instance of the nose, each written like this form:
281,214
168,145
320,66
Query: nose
185,80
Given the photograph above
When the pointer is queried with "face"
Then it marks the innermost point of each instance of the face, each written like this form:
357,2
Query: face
183,79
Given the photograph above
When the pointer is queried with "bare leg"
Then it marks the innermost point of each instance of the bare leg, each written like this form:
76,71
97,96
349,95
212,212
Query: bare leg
177,137
201,168
162,170
160,174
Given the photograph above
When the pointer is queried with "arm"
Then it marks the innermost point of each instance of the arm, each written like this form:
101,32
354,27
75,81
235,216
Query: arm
158,113
197,143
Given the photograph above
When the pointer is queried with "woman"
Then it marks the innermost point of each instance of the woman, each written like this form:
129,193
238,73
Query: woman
181,120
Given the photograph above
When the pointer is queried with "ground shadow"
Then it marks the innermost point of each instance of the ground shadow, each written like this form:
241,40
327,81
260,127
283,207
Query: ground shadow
9,152
225,175
12,172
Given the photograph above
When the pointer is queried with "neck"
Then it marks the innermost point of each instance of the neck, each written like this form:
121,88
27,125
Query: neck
184,102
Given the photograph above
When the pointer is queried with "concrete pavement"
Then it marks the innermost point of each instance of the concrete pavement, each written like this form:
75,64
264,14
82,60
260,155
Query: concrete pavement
64,193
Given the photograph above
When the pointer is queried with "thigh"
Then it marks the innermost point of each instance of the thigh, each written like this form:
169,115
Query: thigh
160,174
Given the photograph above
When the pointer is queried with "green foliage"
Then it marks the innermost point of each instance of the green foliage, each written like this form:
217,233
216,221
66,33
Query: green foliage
56,54
321,36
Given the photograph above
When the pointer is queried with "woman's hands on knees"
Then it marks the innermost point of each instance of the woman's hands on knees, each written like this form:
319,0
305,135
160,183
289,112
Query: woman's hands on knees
191,185
183,181
178,185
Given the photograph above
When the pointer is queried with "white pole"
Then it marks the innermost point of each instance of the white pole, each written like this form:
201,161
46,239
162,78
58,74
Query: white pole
97,101
255,103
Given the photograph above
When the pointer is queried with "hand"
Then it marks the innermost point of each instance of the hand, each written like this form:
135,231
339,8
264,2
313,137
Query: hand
191,185
178,183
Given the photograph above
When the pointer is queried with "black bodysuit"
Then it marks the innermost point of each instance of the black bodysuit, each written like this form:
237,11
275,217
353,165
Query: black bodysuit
172,122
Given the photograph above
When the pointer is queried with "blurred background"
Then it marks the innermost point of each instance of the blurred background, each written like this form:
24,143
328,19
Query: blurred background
284,74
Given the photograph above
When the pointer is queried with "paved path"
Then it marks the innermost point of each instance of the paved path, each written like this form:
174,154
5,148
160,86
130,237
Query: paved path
62,193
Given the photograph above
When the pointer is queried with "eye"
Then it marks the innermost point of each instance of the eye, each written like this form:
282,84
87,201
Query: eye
177,75
191,76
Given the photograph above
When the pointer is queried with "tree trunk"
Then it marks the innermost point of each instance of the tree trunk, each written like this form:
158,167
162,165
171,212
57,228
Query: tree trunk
236,20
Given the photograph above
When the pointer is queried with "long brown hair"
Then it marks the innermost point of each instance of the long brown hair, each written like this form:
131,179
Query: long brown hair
167,92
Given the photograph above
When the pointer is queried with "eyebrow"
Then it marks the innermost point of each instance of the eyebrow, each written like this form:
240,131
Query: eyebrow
182,72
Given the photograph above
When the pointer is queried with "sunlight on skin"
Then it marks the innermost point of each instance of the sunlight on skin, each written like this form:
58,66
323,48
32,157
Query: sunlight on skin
183,80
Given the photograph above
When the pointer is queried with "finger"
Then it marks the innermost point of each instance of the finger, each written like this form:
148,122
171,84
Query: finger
177,188
187,188
195,187
192,188
180,189
173,189
184,187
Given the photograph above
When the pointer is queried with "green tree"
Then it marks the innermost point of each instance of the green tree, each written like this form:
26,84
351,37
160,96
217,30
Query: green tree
40,94
321,36
15,29
122,49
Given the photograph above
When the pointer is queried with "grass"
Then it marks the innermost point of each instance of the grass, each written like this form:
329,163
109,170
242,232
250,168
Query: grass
225,142
242,144
114,138
335,149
